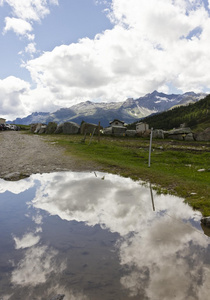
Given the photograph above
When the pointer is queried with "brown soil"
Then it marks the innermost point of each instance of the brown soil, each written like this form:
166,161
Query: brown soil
23,154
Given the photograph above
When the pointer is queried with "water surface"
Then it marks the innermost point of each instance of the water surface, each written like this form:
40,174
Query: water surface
97,236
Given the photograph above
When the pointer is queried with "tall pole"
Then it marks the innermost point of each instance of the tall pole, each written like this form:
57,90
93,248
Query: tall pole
150,148
99,127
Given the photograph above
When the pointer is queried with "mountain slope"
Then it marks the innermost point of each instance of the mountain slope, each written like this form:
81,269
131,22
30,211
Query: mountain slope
196,116
128,111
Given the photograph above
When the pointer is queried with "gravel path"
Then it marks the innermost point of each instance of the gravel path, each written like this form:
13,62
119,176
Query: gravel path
22,155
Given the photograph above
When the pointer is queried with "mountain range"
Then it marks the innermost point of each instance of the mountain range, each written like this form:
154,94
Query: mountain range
128,111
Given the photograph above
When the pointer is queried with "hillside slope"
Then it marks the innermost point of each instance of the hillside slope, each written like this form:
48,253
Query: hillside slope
196,116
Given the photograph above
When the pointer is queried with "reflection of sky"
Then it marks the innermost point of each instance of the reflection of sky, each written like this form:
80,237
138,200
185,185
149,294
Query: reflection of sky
160,254
16,187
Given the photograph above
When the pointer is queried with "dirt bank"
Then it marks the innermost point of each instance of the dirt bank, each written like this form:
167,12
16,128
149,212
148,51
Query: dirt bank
22,155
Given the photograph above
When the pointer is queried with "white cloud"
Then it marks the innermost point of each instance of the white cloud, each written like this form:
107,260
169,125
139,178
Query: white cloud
20,27
25,12
31,48
147,49
12,90
152,45
29,9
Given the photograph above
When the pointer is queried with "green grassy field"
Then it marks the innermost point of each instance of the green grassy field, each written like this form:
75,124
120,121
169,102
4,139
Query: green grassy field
179,168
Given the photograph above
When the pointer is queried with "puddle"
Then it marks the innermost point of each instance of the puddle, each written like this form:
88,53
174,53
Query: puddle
97,236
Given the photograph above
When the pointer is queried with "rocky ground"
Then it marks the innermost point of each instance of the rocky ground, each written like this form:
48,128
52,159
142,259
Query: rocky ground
23,154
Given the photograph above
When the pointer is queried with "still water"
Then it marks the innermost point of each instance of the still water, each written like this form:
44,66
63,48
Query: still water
97,236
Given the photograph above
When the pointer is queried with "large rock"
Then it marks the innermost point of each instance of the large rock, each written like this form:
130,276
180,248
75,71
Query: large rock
58,297
180,134
185,130
130,132
89,128
33,127
206,221
71,128
203,136
59,128
51,127
158,134
38,127
189,137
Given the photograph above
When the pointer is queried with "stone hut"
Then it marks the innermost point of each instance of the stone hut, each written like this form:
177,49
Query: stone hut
119,130
116,123
141,127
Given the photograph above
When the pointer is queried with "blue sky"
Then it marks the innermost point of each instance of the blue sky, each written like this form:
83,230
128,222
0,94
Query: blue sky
58,53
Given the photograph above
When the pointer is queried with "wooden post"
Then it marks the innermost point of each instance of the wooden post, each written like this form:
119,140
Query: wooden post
150,148
99,127
92,136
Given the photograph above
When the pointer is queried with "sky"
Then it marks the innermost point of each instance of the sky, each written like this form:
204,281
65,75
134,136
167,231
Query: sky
57,53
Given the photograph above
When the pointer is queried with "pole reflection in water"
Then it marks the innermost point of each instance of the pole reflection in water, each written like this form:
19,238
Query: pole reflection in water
87,238
152,198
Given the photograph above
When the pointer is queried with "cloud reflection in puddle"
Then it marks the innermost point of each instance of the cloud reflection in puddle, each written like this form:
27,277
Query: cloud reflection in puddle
161,254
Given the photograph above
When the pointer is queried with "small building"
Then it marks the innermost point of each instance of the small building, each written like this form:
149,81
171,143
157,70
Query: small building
118,130
117,123
2,121
141,127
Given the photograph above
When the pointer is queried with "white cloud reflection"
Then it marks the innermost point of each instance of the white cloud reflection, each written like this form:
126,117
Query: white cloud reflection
161,251
35,267
28,240
16,187
158,254
119,204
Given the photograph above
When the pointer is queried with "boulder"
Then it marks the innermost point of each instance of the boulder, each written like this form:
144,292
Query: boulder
59,129
42,129
158,134
38,127
71,128
189,137
206,221
203,136
33,127
146,133
185,130
51,127
58,297
130,132
88,128
180,134
179,137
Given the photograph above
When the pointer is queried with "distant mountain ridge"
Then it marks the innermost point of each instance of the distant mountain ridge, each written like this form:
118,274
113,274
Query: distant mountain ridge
196,116
129,111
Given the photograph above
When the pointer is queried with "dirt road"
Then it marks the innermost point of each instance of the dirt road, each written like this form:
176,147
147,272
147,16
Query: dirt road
22,155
